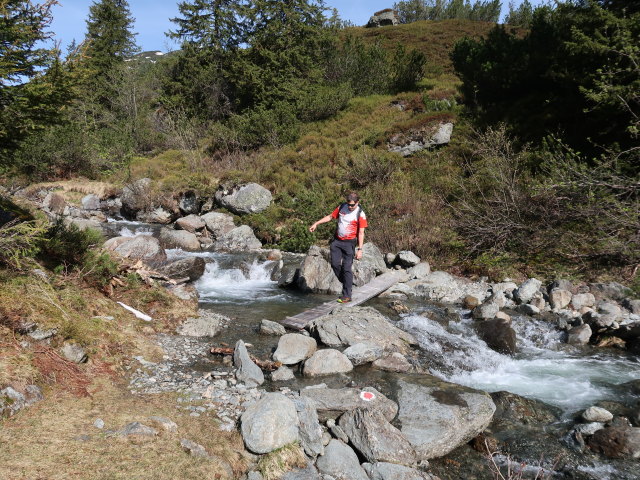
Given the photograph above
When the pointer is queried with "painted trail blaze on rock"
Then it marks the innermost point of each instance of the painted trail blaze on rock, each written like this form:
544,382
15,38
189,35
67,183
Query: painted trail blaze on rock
367,396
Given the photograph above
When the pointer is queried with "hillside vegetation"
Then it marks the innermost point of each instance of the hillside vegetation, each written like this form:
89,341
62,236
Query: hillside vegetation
539,176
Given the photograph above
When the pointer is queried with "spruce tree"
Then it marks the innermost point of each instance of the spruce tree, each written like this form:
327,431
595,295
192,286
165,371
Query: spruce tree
109,35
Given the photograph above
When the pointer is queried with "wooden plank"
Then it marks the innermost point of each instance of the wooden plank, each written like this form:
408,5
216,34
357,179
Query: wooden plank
360,295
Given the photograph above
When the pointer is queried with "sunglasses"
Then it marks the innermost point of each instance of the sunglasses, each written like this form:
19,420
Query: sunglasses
352,205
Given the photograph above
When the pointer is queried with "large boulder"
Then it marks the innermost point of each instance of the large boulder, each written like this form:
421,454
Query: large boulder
361,353
581,300
179,239
316,274
375,438
294,348
437,417
218,223
270,423
579,335
54,203
156,215
347,326
136,196
416,139
327,362
140,247
498,335
383,18
249,198
240,239
331,403
189,267
407,259
188,203
444,287
340,462
559,298
90,202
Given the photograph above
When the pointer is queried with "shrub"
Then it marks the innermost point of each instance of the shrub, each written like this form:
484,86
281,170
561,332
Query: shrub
19,243
321,102
66,246
261,126
296,238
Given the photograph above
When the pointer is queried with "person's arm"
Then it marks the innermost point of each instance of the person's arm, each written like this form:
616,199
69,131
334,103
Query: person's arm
360,243
326,219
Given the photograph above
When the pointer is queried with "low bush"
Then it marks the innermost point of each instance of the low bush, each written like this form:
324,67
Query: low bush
65,247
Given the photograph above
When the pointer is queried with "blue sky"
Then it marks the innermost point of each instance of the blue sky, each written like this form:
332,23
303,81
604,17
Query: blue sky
152,18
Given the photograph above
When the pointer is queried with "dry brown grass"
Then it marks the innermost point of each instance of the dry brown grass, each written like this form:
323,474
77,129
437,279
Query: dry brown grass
42,442
78,186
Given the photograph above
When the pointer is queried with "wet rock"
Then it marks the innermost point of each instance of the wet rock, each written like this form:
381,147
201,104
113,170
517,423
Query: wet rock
240,239
190,223
309,430
616,442
396,362
190,267
498,335
74,353
391,471
243,199
419,271
597,414
503,316
270,423
268,327
579,335
331,403
485,311
375,438
283,374
327,362
294,348
581,300
526,291
438,418
527,309
179,239
347,326
246,371
514,410
361,353
140,247
559,298
341,462
208,324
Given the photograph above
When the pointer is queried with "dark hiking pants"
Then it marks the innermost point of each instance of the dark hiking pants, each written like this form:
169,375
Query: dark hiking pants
342,252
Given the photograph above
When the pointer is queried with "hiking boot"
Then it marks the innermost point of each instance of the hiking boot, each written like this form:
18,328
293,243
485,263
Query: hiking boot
344,299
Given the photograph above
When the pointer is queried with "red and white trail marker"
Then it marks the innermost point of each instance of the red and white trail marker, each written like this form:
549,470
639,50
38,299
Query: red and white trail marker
367,396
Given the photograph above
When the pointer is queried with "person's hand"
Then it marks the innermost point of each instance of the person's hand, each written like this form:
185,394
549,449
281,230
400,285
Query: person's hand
358,254
312,228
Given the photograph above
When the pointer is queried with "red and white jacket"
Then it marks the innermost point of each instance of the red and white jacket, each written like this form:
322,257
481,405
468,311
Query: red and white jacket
348,222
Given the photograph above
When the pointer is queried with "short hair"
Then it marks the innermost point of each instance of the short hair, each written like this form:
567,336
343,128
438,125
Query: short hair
352,197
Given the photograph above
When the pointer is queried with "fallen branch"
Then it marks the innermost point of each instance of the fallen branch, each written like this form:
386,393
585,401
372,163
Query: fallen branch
266,365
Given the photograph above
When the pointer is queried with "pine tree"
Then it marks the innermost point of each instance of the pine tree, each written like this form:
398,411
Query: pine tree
23,26
110,39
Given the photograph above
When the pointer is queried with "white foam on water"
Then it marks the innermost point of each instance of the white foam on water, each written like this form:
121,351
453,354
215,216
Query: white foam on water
541,371
127,232
234,285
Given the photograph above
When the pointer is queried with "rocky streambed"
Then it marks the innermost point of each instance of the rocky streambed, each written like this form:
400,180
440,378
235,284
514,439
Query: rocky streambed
440,377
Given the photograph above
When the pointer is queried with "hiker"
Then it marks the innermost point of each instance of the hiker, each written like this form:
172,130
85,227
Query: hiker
350,230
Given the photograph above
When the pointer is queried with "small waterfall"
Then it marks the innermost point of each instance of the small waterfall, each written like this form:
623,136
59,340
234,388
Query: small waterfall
541,369
128,232
238,285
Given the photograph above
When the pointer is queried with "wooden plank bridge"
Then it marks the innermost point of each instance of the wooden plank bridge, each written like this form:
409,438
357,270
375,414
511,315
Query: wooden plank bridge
360,295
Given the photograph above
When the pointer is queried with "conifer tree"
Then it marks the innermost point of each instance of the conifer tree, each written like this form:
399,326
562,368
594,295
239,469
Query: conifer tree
109,35
23,26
